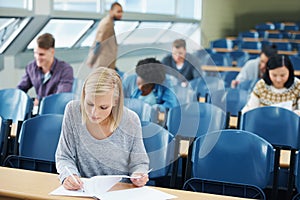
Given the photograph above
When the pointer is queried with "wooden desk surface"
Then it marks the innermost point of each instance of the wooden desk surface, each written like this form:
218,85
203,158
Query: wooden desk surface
25,184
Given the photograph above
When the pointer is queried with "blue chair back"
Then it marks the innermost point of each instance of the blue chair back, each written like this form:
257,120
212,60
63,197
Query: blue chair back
231,100
222,43
158,144
55,103
233,156
219,59
15,104
275,35
279,126
251,45
248,34
265,26
240,57
144,110
295,59
204,86
283,46
247,85
4,135
228,76
39,136
195,119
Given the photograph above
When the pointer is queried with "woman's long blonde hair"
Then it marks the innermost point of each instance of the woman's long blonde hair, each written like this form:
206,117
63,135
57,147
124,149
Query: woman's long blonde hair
99,82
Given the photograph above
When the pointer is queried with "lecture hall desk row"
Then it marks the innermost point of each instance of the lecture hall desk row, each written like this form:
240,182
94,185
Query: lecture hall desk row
25,184
211,68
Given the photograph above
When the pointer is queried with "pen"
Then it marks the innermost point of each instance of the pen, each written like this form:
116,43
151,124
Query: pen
73,177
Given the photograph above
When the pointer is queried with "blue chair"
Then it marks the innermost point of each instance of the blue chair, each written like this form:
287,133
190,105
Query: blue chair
275,35
39,136
15,104
219,59
204,86
158,144
270,123
239,57
228,76
248,34
145,111
297,178
189,121
55,103
247,85
295,59
265,26
22,162
231,100
255,45
233,156
291,27
184,94
283,46
222,43
5,130
224,188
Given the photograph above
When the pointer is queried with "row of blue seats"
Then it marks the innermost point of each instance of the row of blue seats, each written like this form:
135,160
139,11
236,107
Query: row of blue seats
280,26
254,44
177,123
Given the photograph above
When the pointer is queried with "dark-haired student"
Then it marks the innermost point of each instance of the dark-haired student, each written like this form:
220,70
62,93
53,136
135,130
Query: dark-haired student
278,86
150,85
99,135
255,68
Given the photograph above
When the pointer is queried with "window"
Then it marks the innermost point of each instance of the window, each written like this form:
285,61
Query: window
147,32
66,32
77,5
9,29
146,6
179,30
23,4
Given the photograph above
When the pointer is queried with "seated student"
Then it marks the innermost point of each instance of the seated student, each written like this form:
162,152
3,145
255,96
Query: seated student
255,68
149,84
46,74
99,135
182,62
278,86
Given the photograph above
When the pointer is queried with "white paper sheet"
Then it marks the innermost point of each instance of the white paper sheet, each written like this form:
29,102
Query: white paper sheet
287,105
145,193
94,186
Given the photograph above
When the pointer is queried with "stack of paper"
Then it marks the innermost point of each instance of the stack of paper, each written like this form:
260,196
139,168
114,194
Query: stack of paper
98,186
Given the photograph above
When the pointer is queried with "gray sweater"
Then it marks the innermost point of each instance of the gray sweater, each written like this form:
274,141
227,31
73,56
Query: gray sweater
123,153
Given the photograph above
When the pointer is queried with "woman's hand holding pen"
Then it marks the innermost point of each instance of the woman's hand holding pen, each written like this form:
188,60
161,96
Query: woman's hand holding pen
73,183
141,179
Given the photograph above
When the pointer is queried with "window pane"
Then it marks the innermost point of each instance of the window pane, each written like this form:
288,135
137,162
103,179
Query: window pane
65,32
146,6
75,5
9,29
147,32
189,9
179,30
24,4
123,29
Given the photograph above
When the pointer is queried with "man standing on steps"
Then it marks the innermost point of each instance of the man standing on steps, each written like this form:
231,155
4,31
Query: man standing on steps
105,48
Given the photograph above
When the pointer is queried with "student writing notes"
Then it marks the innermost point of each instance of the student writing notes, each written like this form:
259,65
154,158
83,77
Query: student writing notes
99,135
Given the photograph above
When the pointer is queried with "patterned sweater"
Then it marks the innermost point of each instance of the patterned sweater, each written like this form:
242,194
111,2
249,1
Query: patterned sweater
267,95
